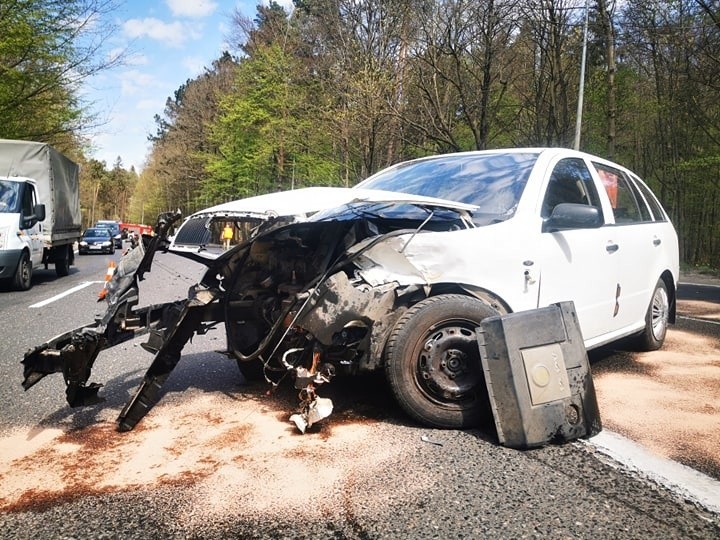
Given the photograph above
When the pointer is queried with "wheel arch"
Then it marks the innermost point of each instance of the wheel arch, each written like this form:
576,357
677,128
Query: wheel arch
402,305
671,286
493,300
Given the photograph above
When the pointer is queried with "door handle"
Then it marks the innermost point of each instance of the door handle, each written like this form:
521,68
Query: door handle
657,242
612,248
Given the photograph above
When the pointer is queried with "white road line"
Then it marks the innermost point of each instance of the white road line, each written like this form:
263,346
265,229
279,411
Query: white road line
64,294
678,478
697,320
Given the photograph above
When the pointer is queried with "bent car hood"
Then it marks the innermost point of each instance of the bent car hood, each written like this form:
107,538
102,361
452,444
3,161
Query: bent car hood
306,201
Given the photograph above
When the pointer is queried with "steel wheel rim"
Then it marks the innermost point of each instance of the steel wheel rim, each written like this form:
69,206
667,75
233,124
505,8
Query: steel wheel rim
448,367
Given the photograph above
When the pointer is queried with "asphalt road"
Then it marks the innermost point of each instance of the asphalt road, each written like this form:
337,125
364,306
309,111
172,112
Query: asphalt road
217,459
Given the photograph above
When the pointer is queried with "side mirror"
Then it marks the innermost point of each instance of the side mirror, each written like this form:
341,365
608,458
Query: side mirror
39,212
37,215
573,216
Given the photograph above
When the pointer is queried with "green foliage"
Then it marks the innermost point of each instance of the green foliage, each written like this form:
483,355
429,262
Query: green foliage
267,132
105,194
47,47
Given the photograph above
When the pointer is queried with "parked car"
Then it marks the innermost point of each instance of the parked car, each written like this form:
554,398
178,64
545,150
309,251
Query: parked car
397,273
96,240
115,231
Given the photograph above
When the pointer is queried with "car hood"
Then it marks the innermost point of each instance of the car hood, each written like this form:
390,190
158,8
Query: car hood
301,203
96,239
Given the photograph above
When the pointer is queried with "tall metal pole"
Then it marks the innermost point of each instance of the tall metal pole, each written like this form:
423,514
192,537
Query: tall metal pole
581,90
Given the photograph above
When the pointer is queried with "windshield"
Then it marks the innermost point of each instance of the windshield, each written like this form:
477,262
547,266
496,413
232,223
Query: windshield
96,232
9,196
493,182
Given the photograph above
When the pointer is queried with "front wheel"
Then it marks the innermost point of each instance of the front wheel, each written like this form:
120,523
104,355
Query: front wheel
251,370
656,320
22,280
432,361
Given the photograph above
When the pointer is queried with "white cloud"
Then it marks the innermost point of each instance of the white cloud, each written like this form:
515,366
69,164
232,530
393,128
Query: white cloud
194,64
155,105
172,34
191,8
133,82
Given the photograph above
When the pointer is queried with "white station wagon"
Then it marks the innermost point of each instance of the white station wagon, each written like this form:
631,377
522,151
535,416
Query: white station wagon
397,273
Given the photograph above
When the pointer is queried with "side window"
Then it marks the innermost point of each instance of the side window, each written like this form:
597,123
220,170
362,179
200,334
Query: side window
627,203
658,212
570,182
28,200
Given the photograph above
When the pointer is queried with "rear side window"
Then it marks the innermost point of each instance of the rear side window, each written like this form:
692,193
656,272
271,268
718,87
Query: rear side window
627,204
657,210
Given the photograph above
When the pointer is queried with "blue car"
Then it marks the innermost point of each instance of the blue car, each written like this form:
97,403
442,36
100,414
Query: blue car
96,240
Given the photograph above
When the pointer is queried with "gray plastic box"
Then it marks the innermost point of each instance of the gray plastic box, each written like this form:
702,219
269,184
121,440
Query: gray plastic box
538,377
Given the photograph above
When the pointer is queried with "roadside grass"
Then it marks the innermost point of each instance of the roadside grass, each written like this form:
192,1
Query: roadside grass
700,269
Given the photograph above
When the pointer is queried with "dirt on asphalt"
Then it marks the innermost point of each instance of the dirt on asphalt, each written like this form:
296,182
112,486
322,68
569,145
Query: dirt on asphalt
668,400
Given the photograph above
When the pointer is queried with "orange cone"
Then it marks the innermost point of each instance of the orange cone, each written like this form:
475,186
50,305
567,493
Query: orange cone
108,276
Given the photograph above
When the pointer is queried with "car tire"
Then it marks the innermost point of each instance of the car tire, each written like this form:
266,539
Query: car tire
62,262
251,370
22,280
656,320
432,362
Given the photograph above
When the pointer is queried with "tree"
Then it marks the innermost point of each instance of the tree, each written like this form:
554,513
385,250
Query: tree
267,133
462,63
182,143
47,49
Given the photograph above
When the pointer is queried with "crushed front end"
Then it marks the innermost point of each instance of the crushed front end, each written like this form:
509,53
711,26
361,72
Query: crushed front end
291,295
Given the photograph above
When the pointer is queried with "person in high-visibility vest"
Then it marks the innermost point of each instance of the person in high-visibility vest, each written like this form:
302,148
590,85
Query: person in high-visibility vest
227,235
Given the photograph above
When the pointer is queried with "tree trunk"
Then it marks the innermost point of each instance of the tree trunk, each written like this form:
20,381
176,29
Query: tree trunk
609,35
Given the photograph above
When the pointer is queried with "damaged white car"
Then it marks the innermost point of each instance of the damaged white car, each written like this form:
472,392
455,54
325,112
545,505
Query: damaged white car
396,274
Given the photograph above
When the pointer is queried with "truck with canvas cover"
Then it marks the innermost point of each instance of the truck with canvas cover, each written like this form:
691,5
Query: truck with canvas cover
39,210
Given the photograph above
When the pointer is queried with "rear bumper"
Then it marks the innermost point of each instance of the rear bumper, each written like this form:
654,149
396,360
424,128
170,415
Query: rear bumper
8,262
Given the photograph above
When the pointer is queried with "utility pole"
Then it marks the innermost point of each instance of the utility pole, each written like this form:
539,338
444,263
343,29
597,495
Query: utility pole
581,90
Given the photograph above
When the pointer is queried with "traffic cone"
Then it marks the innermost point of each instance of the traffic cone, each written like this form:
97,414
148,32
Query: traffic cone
108,276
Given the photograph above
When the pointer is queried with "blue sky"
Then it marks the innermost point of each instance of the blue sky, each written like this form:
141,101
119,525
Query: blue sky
167,42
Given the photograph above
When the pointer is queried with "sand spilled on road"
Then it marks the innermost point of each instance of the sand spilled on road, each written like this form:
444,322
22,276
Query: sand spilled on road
667,400
239,455
695,308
